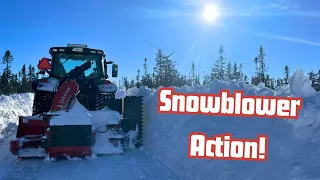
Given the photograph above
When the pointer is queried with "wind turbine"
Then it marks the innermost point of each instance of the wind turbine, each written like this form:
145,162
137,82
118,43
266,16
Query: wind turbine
159,50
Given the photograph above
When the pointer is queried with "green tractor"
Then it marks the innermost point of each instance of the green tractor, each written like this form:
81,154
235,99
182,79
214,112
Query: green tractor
85,70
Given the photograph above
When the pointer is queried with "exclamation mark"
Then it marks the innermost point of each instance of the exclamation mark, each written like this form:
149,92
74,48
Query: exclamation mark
262,147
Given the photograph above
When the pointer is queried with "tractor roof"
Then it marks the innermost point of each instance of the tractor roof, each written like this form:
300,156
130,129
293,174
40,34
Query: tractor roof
76,50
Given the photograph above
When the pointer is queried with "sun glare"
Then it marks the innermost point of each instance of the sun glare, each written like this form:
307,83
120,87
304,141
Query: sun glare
210,13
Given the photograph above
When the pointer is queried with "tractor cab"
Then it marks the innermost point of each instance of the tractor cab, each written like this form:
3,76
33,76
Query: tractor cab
87,66
65,59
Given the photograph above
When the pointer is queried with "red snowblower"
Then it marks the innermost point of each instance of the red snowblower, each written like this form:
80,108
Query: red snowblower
75,73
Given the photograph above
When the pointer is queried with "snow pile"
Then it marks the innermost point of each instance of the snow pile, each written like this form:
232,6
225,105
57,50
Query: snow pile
10,108
99,121
300,85
294,146
77,115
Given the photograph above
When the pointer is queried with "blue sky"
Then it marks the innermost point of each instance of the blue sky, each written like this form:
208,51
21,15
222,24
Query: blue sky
288,30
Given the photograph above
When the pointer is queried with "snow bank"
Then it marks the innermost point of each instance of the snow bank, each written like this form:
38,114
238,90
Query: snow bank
10,108
293,145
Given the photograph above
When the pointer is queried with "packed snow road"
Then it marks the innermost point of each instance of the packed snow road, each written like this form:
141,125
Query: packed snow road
130,165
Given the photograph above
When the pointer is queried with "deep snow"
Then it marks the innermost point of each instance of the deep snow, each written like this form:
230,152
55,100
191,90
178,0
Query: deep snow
294,147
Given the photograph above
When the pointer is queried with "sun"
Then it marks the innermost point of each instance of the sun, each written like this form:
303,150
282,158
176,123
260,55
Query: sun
210,13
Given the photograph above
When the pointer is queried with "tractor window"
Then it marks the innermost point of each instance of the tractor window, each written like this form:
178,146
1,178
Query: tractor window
65,63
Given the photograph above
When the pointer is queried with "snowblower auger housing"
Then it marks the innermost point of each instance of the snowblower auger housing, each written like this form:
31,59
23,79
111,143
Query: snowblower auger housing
75,72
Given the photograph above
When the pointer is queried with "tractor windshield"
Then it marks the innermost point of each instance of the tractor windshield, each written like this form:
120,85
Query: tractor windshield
64,63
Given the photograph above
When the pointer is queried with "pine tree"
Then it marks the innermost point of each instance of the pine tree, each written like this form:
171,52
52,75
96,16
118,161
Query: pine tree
262,65
235,73
267,81
14,82
317,82
5,80
138,83
272,85
256,79
241,71
193,75
31,76
246,79
24,79
145,67
218,71
206,78
198,79
279,82
131,85
313,79
286,74
229,71
125,82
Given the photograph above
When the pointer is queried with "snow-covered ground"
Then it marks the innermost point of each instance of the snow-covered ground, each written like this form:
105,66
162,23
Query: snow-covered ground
293,147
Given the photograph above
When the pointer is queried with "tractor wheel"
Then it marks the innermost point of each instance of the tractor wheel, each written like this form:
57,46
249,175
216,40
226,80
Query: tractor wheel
42,102
102,100
95,101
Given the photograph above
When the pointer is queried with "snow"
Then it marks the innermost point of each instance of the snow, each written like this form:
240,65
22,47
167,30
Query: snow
294,146
293,149
301,85
103,146
77,115
32,152
105,117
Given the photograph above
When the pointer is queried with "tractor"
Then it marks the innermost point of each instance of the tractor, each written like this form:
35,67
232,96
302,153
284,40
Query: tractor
75,72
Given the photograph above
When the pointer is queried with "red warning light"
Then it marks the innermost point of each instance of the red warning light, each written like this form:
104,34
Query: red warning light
44,64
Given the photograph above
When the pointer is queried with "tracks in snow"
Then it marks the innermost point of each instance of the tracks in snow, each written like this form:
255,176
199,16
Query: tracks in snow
132,165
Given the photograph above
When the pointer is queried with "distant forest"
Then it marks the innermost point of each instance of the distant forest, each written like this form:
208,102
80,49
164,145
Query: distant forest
164,74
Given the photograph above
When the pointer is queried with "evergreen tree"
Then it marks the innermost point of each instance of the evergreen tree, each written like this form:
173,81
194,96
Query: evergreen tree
131,85
229,72
31,76
317,82
286,74
125,82
279,82
314,80
24,79
218,71
138,84
146,79
6,76
267,81
272,83
198,80
241,71
206,78
246,79
235,73
262,65
193,75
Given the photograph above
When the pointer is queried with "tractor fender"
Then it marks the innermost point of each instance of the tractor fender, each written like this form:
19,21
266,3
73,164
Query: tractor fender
107,88
50,84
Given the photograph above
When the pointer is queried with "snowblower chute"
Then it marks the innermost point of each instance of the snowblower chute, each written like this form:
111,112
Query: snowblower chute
78,75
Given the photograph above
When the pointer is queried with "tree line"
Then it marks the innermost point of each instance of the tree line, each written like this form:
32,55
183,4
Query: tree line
165,73
20,82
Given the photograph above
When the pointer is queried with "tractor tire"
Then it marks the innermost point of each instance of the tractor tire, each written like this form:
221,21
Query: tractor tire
95,101
42,102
